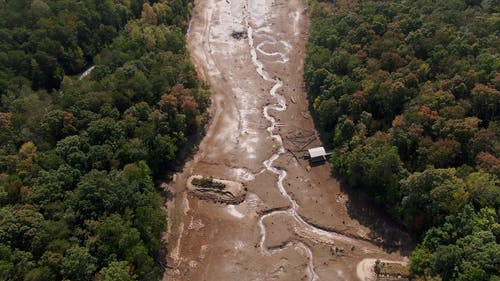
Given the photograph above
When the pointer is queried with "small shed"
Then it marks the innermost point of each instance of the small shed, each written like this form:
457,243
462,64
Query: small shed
317,154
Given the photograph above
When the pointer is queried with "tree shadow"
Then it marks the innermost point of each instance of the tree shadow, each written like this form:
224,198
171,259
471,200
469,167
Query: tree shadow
185,154
385,230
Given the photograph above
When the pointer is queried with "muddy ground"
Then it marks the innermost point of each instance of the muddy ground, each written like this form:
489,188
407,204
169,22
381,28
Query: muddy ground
297,222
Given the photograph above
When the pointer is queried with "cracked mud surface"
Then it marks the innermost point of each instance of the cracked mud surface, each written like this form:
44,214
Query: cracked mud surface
296,222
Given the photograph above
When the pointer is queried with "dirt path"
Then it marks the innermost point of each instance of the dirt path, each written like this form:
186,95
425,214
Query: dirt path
365,269
296,223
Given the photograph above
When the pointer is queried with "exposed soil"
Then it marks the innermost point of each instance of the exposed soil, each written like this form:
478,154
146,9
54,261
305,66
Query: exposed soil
296,222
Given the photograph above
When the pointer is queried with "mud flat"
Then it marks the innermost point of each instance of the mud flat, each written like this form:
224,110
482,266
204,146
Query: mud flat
296,222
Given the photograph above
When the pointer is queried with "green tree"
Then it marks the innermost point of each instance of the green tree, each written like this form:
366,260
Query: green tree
485,102
445,259
473,274
117,271
97,194
484,189
431,195
444,153
374,166
118,237
40,274
78,264
19,226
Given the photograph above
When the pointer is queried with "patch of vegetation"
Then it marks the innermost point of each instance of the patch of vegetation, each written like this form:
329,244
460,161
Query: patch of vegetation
208,182
388,269
408,94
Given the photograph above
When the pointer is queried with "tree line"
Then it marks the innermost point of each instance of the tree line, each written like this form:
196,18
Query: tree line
78,157
408,95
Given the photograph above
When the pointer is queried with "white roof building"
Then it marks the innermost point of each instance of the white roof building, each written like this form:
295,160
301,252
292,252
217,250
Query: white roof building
317,154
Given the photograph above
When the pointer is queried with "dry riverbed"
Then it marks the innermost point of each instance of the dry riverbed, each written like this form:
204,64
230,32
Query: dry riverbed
296,222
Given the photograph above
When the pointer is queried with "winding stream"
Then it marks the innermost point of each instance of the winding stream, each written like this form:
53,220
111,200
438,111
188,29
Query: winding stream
250,76
281,106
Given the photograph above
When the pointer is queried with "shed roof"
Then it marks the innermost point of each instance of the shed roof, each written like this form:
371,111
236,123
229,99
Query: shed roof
317,152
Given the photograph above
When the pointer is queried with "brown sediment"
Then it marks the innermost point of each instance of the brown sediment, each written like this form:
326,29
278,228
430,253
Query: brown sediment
293,215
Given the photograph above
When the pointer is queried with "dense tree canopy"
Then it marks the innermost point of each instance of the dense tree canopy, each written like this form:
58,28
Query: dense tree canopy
408,93
78,156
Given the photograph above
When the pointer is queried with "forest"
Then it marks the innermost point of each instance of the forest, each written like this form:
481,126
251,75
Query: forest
407,93
79,157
